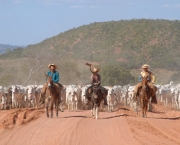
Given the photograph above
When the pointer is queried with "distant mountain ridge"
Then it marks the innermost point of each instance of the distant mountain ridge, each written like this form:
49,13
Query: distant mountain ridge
5,47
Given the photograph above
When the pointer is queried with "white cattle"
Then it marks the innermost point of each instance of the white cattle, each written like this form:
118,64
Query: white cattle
166,96
117,90
30,96
124,93
18,94
71,97
1,98
83,95
111,99
37,95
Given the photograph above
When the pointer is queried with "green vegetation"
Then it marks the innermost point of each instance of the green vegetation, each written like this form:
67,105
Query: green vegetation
114,75
126,43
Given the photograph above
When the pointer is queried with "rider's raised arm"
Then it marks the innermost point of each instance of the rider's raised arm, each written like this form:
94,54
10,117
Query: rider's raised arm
91,68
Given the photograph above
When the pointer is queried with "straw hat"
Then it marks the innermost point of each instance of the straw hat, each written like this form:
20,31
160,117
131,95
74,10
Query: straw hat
145,66
96,69
55,66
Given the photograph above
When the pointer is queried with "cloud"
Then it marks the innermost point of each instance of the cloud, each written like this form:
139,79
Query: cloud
171,6
166,5
17,1
92,7
77,6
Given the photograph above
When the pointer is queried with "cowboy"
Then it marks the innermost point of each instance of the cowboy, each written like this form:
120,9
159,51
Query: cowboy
150,83
55,78
95,81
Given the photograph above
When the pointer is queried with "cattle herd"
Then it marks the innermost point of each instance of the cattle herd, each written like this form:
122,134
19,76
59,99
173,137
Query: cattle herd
73,97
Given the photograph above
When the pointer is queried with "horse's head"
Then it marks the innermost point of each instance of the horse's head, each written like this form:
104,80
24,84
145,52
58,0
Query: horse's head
145,79
96,92
49,81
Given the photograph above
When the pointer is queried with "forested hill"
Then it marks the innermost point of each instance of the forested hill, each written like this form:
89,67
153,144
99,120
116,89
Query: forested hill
4,48
127,43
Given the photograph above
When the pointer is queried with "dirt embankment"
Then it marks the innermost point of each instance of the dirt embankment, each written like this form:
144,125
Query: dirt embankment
125,127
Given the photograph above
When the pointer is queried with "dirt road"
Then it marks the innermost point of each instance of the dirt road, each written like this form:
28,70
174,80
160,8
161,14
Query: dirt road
124,127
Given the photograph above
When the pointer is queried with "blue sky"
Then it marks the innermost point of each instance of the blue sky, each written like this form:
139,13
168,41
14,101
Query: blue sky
24,22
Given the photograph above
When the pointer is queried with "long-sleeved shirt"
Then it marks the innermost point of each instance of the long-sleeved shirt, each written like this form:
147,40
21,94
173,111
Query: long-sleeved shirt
55,76
96,79
151,77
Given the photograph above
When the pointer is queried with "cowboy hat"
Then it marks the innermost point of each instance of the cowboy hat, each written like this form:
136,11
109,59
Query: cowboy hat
96,70
55,66
145,66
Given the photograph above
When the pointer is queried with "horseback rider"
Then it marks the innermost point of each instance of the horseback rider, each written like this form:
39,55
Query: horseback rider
150,83
95,81
55,78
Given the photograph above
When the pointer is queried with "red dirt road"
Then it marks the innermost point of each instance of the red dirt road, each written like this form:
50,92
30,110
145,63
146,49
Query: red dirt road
124,127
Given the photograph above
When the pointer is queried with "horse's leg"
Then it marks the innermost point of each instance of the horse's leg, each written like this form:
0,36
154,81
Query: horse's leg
52,106
145,111
47,111
93,110
142,107
57,106
97,112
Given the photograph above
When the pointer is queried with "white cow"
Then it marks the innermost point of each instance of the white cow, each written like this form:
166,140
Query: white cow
18,95
71,97
166,96
1,98
30,96
111,98
124,93
83,95
117,90
37,95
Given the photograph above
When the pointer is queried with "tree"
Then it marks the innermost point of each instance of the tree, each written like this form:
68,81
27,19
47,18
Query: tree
114,75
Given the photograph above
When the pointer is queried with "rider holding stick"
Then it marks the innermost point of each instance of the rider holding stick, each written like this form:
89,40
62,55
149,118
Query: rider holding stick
95,81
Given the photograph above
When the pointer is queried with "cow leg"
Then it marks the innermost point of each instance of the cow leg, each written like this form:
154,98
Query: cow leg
76,106
68,107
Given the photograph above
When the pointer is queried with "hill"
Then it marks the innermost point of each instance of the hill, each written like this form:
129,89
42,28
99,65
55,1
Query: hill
4,48
125,43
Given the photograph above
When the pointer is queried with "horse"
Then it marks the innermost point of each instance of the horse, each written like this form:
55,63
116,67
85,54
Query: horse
145,94
96,98
51,97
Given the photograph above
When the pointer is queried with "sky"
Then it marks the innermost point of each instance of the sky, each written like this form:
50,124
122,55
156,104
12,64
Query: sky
25,22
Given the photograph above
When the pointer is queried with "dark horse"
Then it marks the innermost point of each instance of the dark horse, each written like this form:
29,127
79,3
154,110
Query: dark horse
51,97
96,98
145,94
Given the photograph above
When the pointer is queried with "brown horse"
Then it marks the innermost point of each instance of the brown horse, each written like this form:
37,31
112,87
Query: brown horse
145,94
51,97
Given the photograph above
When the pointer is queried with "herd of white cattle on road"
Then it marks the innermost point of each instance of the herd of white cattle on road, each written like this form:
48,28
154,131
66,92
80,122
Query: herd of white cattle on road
17,96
